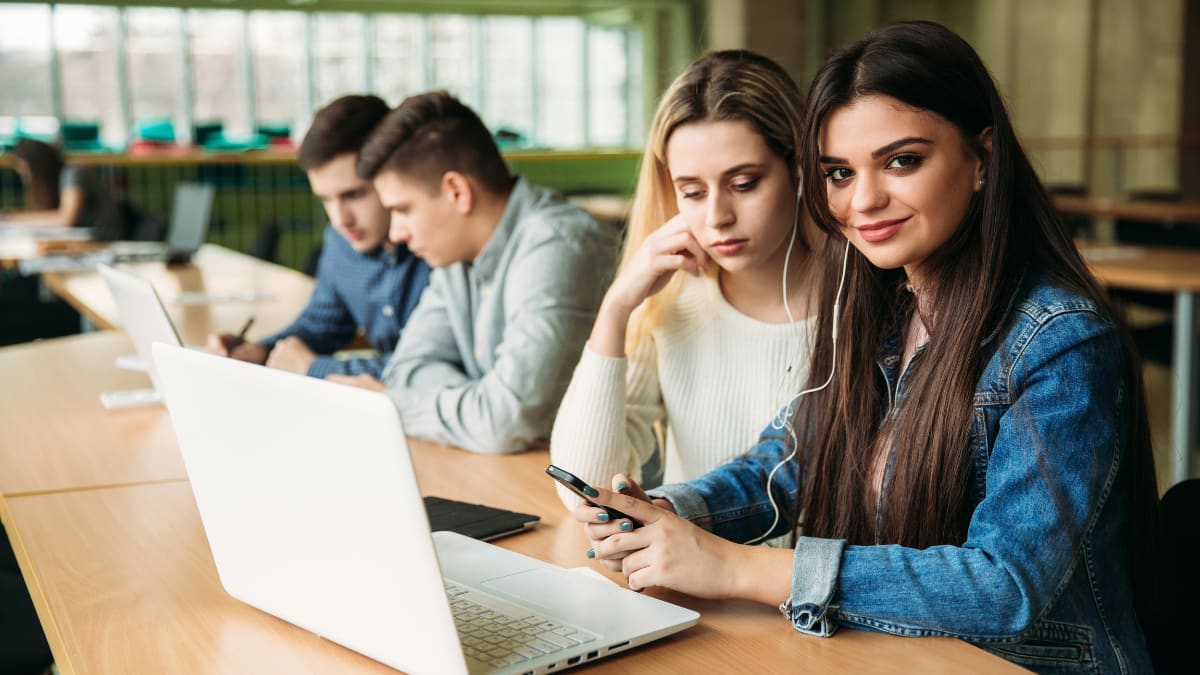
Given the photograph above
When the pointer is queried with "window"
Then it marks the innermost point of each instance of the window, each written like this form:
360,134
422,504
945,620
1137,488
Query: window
509,98
25,73
339,56
215,40
399,57
608,77
560,79
152,38
204,74
450,53
279,69
86,38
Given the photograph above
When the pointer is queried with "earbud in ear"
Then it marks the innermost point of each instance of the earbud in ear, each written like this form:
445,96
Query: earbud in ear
799,183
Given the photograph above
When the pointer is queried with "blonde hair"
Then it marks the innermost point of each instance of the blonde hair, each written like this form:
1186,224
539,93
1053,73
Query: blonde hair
728,85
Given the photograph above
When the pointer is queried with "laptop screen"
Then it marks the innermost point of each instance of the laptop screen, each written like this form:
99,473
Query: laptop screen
189,217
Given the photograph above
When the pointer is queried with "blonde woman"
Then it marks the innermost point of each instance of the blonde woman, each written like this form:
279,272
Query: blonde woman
699,355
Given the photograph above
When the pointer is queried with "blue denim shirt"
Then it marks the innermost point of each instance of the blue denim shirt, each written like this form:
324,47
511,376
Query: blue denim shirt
1043,576
375,292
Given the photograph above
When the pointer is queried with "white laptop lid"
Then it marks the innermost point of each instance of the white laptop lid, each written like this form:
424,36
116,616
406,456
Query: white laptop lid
142,315
190,215
267,454
313,513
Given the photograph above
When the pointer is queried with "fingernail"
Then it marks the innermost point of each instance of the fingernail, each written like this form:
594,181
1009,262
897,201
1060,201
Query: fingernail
591,553
622,486
590,491
602,517
626,526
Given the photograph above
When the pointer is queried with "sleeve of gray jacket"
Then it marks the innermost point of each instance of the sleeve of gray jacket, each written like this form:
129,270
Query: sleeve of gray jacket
551,298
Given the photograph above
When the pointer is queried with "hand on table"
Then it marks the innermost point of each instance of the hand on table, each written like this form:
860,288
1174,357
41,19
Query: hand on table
361,381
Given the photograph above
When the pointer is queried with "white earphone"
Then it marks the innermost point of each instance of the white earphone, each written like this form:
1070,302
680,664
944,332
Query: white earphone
783,421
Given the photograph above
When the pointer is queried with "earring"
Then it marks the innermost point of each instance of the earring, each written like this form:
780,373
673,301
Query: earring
981,181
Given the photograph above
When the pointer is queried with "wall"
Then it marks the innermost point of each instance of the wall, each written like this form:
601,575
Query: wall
1070,70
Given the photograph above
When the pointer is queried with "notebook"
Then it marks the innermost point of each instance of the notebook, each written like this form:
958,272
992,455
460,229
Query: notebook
475,520
190,215
312,510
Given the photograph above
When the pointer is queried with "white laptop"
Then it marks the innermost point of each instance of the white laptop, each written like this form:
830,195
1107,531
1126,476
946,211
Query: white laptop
145,321
312,510
190,216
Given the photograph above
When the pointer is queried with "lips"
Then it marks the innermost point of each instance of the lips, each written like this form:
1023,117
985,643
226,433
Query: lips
730,246
881,230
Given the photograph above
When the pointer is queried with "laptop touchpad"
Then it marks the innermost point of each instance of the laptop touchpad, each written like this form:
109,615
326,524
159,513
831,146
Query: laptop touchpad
553,589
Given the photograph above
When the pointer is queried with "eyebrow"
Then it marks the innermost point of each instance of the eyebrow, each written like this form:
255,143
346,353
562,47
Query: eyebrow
732,170
341,194
890,147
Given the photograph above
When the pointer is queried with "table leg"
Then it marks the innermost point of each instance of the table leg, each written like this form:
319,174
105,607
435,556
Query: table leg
1183,383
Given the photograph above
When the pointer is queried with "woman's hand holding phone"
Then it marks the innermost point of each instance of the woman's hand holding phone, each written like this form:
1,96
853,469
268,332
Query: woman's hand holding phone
602,522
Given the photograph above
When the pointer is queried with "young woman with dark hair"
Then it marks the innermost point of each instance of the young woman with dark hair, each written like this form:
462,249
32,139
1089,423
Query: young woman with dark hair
975,462
58,194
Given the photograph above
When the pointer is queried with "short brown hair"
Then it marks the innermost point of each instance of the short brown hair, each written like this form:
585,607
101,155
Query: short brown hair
340,127
430,134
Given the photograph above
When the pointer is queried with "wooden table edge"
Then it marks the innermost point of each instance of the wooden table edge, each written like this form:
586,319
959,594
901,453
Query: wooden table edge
58,646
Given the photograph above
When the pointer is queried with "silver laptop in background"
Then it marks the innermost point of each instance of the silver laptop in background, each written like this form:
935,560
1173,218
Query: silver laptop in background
146,321
313,513
191,213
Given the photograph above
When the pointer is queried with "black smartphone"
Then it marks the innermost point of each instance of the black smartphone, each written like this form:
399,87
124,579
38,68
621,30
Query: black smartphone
576,484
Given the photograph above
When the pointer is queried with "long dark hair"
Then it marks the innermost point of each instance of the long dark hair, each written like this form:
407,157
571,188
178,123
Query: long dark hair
1009,238
45,167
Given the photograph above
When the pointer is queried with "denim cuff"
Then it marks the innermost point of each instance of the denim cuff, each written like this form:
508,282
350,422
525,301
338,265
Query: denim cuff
815,569
687,502
322,366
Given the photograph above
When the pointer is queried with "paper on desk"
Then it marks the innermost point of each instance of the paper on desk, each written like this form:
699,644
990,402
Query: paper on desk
203,298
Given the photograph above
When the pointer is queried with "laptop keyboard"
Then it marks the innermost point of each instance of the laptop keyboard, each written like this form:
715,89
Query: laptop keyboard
502,637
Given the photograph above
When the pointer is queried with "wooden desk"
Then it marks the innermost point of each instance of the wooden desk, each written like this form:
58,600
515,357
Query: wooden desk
239,286
124,583
1164,270
55,435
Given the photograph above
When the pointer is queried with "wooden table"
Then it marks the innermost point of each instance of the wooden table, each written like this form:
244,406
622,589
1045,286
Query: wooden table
237,286
1163,270
55,435
102,519
124,583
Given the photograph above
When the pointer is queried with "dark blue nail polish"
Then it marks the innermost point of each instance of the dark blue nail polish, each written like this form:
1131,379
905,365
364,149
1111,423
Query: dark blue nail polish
591,553
590,491
627,526
602,517
622,486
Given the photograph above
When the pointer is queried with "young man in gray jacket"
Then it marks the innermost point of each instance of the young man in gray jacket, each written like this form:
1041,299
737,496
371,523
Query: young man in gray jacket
518,277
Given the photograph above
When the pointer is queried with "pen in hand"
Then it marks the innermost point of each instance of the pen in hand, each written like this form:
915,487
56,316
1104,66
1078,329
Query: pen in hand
241,336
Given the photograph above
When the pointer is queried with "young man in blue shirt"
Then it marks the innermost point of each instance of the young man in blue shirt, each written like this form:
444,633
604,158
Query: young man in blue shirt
364,281
518,277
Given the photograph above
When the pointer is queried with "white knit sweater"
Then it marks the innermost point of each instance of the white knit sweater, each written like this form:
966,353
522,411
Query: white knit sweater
711,375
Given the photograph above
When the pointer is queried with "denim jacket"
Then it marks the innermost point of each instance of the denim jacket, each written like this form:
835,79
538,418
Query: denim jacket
1042,578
